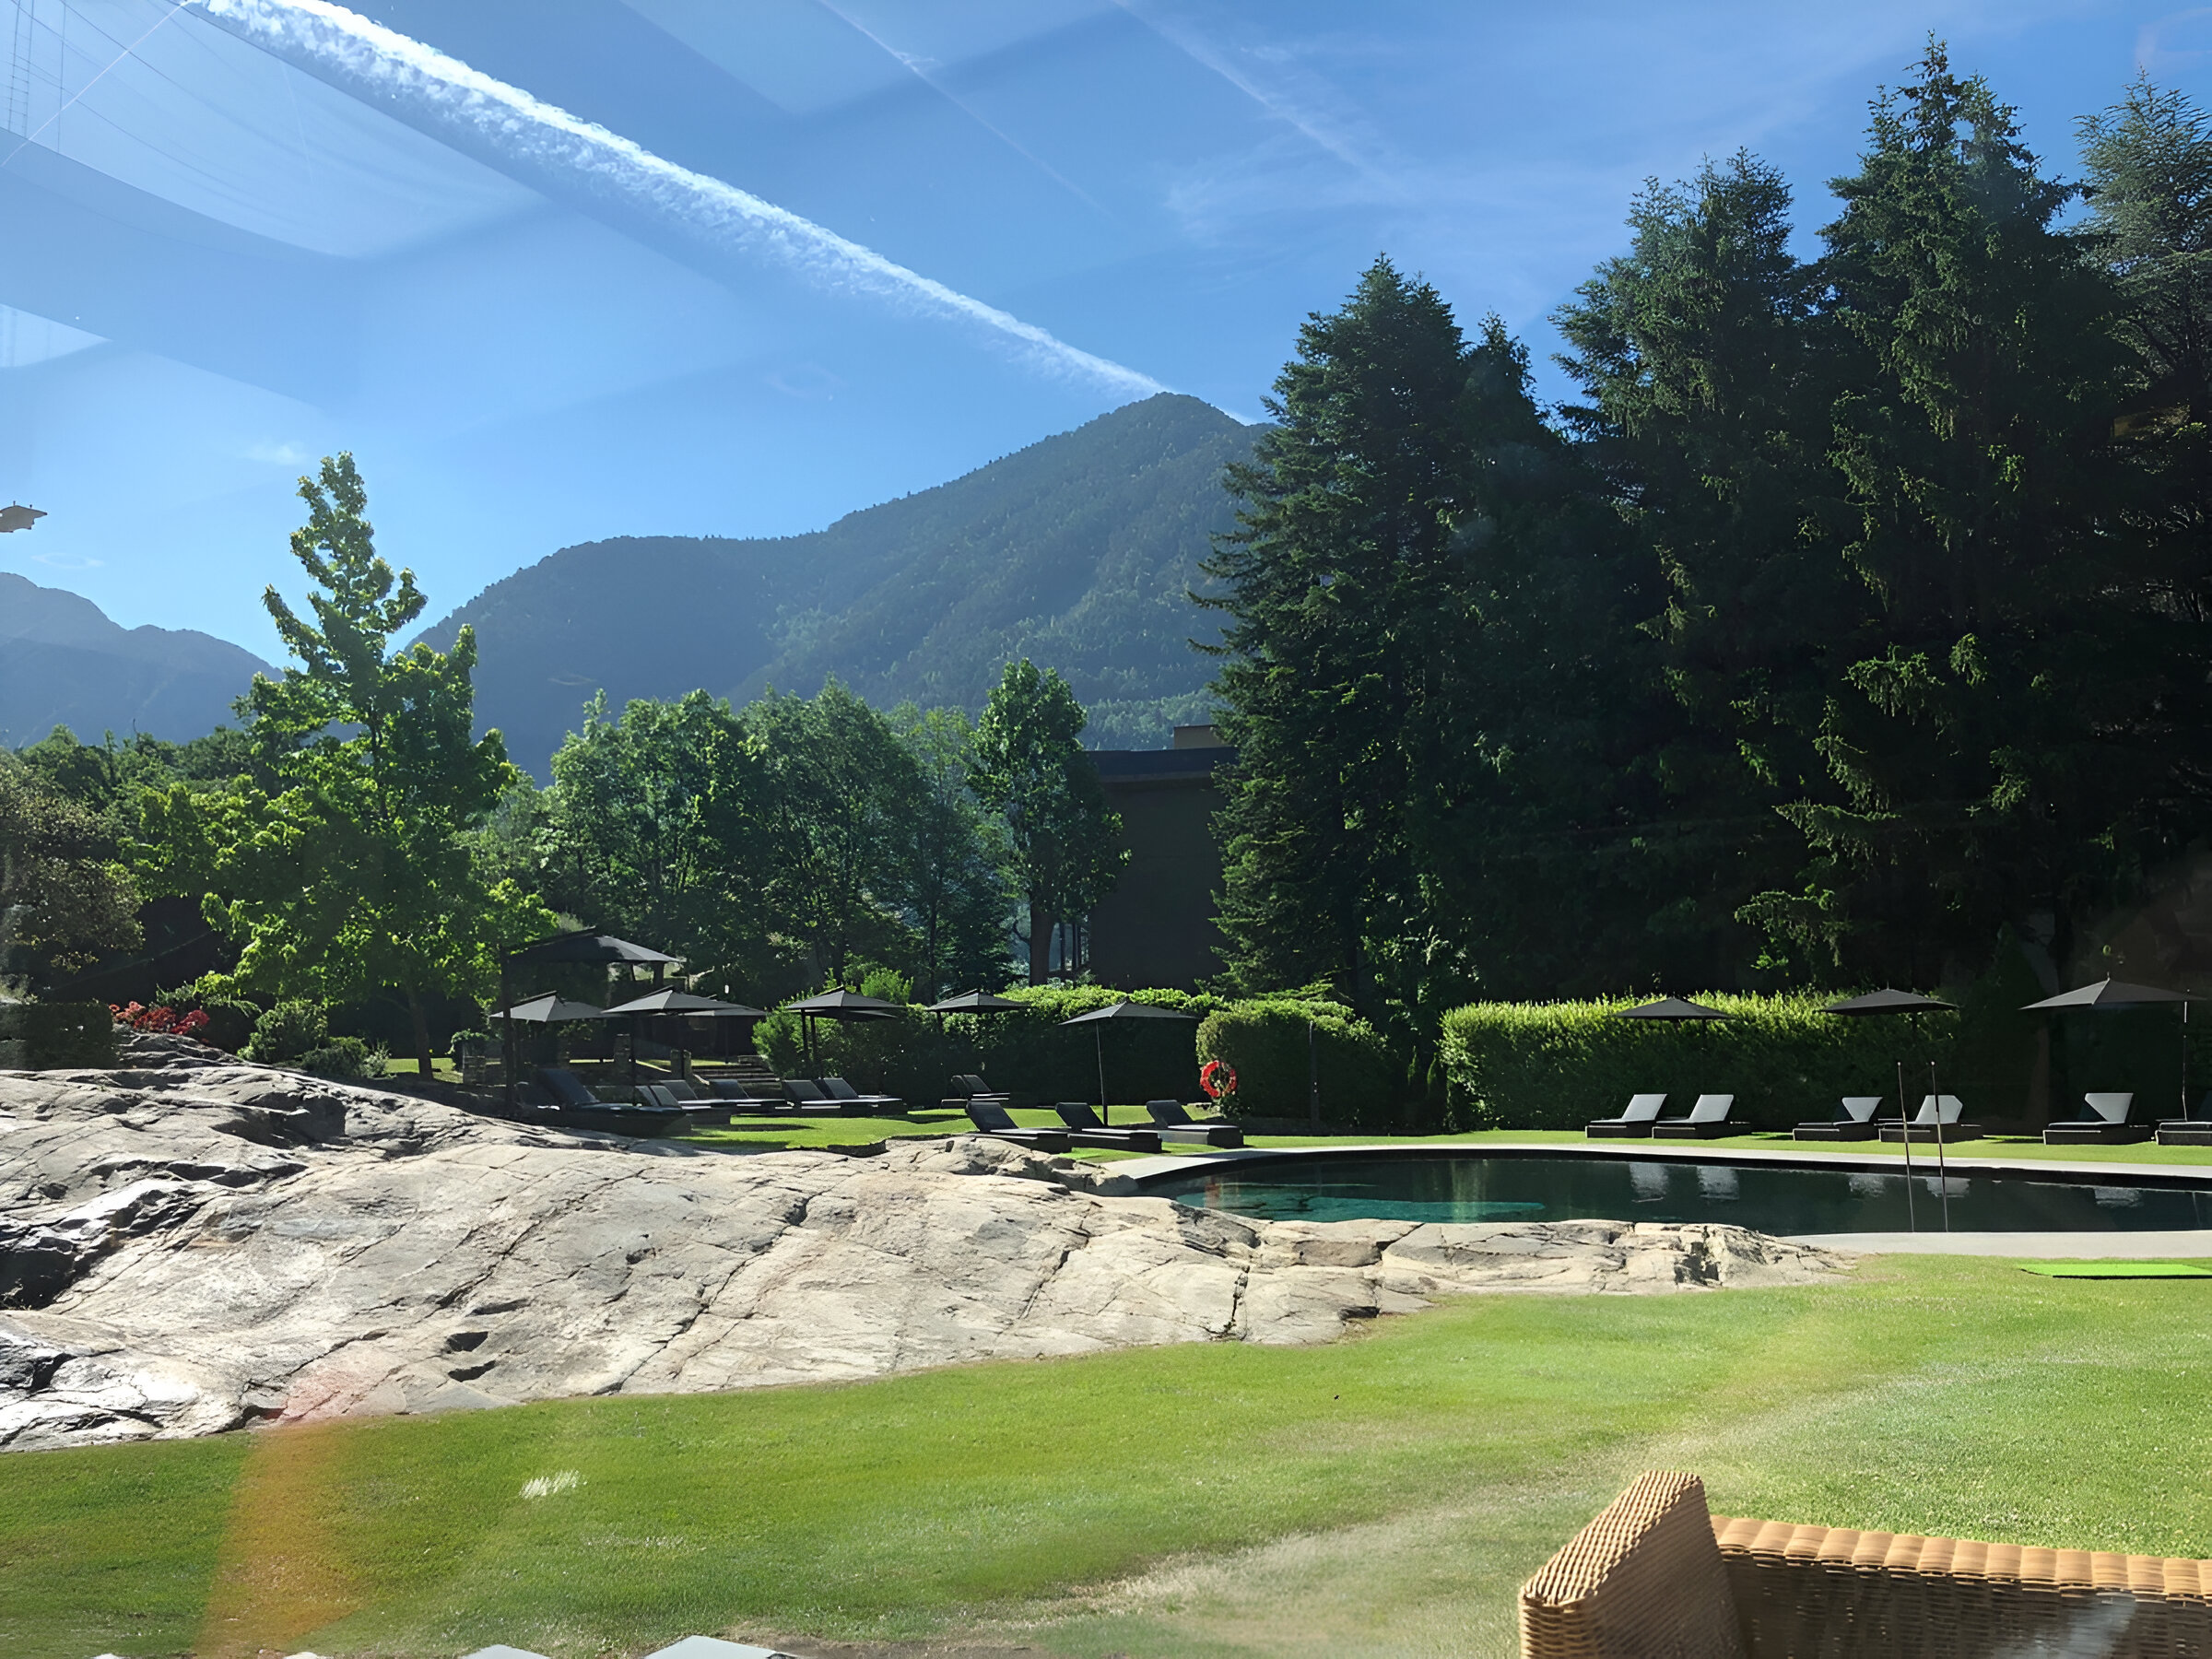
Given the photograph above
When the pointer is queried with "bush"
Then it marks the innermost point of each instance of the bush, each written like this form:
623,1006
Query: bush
1266,1042
347,1059
1558,1065
287,1033
64,1036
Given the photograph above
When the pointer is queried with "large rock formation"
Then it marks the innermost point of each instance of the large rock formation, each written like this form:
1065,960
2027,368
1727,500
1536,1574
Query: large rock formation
196,1244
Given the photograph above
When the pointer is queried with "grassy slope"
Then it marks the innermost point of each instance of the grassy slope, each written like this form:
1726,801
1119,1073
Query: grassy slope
1389,1489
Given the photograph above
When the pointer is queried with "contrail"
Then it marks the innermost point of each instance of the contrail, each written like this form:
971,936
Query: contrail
528,138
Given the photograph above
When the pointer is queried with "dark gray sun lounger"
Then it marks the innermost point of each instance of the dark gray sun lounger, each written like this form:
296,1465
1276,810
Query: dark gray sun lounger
566,1088
1637,1121
2104,1123
808,1098
1707,1119
837,1089
1086,1130
1854,1121
1176,1124
994,1120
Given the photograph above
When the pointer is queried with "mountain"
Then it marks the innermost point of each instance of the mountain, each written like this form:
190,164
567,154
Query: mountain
63,662
1079,552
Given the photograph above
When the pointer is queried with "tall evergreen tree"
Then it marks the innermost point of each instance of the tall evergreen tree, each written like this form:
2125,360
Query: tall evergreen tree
1336,596
1980,728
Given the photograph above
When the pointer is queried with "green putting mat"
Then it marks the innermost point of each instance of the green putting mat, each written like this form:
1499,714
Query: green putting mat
2115,1270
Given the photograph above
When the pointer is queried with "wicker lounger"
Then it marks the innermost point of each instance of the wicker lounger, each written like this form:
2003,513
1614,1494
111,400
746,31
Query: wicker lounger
1653,1574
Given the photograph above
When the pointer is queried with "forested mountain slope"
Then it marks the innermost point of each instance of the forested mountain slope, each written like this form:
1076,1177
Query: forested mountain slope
1078,551
63,661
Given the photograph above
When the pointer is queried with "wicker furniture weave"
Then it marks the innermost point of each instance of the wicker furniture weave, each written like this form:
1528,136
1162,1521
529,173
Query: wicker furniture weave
1822,1593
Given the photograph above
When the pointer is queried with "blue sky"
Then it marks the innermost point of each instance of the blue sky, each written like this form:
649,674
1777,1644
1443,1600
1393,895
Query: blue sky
563,269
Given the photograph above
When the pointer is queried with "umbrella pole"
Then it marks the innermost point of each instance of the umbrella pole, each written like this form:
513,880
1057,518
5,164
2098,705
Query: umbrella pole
1905,1124
1943,1170
1105,1111
508,1053
2184,1060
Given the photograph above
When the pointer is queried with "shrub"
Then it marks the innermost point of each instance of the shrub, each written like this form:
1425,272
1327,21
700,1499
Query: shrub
461,1040
161,1019
287,1033
1264,1041
64,1036
347,1059
1558,1065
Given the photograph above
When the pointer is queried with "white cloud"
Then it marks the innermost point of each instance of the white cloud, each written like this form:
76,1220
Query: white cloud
549,145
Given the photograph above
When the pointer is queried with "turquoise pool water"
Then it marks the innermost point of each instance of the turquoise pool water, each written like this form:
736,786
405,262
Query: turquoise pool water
1775,1199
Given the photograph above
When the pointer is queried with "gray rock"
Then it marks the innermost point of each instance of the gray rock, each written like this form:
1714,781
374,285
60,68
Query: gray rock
191,1248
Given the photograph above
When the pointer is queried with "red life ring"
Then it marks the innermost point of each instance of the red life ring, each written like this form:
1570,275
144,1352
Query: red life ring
1218,1078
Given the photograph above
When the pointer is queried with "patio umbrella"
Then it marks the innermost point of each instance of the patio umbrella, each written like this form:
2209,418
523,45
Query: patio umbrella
548,1009
564,948
1671,1007
2109,993
1888,1000
669,1000
1124,1009
976,1002
840,1003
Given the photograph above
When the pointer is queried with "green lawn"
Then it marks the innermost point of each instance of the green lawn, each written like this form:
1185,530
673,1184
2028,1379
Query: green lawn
1386,1492
776,1133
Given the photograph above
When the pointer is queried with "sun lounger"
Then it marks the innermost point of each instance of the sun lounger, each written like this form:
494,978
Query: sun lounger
2103,1124
1088,1131
995,1120
566,1088
967,1086
1176,1124
1854,1121
748,1100
807,1097
1642,1112
1924,1122
837,1089
2188,1131
1707,1119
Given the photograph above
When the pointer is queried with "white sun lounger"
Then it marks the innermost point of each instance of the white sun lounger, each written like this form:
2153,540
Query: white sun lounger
1708,1118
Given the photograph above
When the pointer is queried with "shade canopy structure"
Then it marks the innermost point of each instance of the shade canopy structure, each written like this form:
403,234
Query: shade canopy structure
1671,1007
2111,995
976,1002
669,1000
548,1009
1891,1001
591,948
1099,1019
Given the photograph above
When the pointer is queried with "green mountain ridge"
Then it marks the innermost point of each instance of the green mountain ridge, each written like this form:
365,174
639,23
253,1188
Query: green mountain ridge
1080,551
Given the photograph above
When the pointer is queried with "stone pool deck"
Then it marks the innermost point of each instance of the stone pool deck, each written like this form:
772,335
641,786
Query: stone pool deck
2056,1246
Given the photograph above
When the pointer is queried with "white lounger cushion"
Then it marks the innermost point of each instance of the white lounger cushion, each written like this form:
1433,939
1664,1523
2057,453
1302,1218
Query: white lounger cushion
1860,1109
1711,1108
1642,1109
2111,1108
1951,1109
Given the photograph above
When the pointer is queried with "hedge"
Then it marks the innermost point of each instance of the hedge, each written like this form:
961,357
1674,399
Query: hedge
1558,1065
1265,1042
1025,1053
57,1036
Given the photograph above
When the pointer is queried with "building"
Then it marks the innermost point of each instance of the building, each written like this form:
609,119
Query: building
1157,926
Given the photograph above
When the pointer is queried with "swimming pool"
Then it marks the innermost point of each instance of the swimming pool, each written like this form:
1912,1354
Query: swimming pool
1774,1198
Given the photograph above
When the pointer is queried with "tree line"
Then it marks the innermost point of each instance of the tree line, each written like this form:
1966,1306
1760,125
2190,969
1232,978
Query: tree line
356,840
1847,626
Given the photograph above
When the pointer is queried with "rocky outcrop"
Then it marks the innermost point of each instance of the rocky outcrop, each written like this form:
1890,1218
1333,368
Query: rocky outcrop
197,1244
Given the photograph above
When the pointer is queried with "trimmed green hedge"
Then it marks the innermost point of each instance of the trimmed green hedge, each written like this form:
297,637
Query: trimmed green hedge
1264,1041
1558,1065
57,1036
